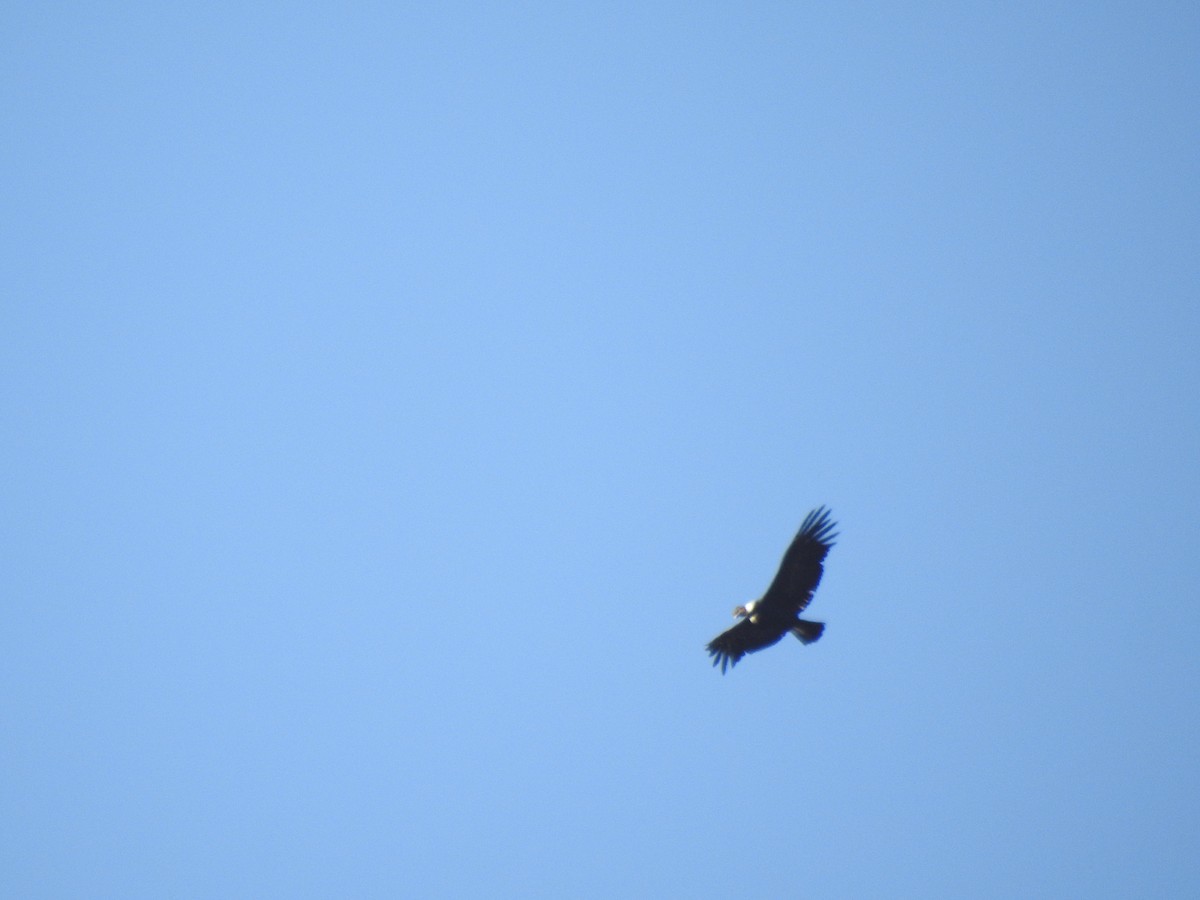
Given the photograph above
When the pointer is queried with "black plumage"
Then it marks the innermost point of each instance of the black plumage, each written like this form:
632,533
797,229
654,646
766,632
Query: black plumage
767,620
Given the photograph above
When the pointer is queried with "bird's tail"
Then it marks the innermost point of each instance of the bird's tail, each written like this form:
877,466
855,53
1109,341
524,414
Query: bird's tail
807,631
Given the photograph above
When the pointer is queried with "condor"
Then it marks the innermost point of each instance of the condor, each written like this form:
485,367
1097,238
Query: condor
765,621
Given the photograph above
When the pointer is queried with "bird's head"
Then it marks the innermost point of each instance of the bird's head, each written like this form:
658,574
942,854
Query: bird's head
744,611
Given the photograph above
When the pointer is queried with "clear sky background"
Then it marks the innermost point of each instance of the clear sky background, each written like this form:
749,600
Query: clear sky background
397,397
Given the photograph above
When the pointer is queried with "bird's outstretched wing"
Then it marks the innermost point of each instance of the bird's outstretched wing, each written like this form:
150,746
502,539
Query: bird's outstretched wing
744,637
800,571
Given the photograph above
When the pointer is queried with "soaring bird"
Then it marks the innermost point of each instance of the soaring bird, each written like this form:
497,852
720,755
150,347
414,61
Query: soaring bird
766,620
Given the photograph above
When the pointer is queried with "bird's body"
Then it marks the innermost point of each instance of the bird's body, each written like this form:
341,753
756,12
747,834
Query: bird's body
765,621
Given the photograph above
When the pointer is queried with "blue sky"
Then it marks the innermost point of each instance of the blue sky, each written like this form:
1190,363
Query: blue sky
397,397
